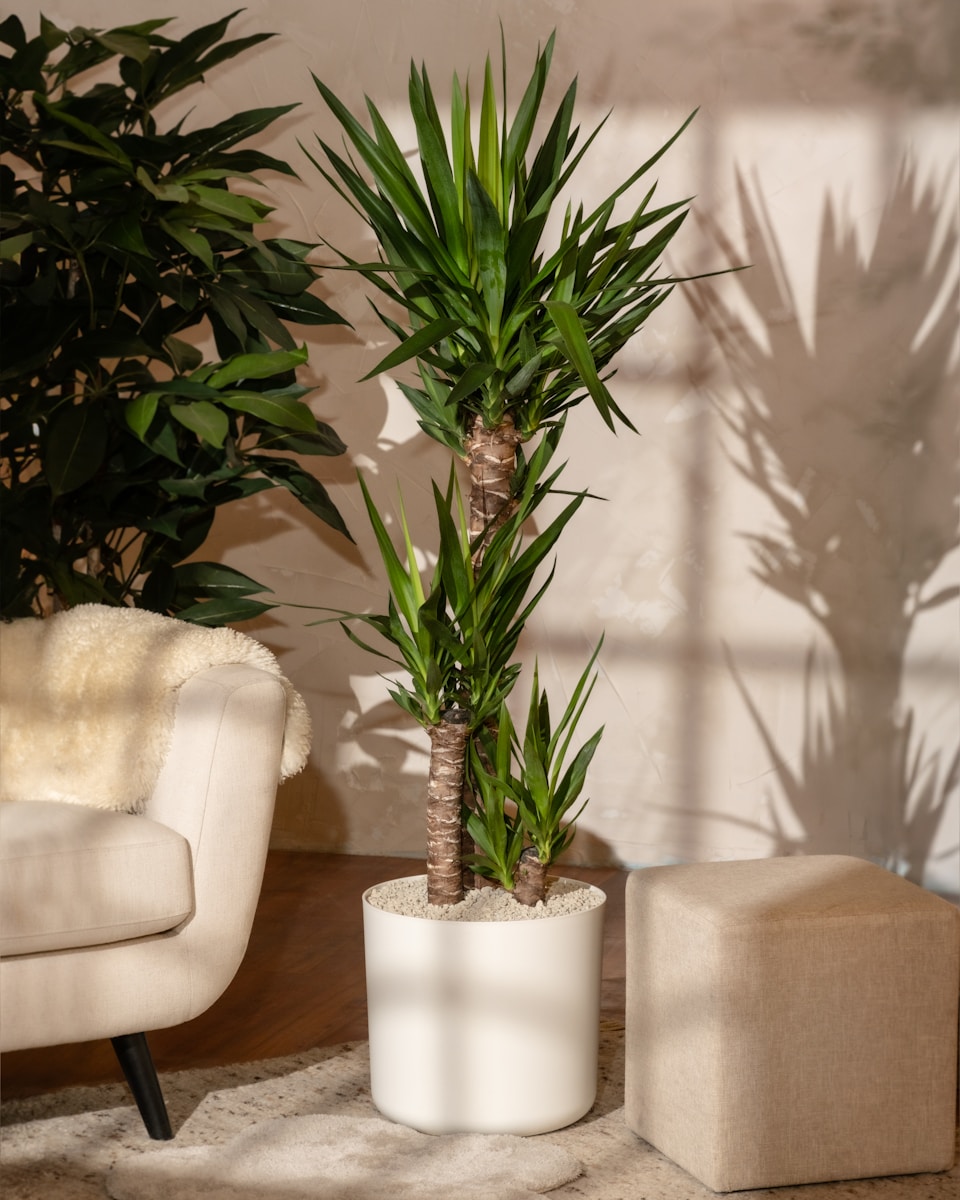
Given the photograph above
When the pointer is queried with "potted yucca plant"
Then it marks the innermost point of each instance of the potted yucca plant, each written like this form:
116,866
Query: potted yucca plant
507,336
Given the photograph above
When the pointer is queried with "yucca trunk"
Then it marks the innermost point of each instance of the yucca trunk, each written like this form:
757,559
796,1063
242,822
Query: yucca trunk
531,881
448,751
491,456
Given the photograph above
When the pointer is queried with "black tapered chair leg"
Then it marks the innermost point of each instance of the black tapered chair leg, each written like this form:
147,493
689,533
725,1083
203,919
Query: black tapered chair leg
135,1059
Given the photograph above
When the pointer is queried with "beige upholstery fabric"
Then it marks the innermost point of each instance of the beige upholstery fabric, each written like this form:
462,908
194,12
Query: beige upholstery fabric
791,1020
76,877
216,791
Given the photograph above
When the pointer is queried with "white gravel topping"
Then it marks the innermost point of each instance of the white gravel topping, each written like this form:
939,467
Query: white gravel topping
408,897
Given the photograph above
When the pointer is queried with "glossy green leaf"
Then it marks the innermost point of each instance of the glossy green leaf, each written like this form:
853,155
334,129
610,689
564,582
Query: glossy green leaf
257,366
224,611
284,411
305,309
204,419
75,447
126,275
215,579
107,146
204,145
219,200
308,490
174,193
119,41
320,440
185,356
261,317
11,247
194,243
139,413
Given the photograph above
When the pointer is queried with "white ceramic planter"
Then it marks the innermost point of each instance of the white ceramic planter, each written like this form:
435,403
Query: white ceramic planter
483,1026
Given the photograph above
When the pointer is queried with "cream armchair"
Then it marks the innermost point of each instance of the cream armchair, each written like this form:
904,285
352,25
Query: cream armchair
139,763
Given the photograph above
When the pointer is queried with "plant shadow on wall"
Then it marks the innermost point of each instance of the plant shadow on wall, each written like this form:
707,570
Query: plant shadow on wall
851,437
905,47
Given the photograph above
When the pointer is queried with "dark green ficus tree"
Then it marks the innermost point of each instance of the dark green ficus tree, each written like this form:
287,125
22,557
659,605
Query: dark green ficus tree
124,248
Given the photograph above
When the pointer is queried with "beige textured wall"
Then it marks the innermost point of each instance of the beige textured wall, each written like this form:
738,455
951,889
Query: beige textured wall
826,150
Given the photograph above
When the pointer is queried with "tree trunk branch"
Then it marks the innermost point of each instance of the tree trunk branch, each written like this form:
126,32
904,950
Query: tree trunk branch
492,458
530,886
448,744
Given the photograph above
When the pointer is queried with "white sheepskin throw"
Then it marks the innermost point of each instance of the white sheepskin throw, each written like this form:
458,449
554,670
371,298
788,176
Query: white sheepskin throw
78,689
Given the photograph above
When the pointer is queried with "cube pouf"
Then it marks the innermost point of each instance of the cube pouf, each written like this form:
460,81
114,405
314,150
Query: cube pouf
791,1020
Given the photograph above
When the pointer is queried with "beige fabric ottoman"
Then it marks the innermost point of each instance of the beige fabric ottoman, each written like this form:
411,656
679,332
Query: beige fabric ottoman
791,1020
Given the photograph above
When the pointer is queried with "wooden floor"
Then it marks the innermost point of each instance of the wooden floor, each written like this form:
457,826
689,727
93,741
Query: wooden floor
301,983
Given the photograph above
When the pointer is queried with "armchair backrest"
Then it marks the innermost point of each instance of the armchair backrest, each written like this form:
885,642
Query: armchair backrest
233,730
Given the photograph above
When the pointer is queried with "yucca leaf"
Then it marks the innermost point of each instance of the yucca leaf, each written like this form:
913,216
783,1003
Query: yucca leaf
390,153
352,187
419,341
407,595
453,563
575,706
437,169
640,171
358,641
568,788
521,131
472,379
461,146
489,240
578,351
547,168
433,418
413,571
392,177
488,148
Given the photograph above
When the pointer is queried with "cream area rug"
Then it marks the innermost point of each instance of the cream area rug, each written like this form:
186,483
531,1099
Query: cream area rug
304,1126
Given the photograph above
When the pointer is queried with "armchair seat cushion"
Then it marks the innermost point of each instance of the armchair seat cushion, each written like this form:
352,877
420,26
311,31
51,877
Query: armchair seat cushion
72,876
